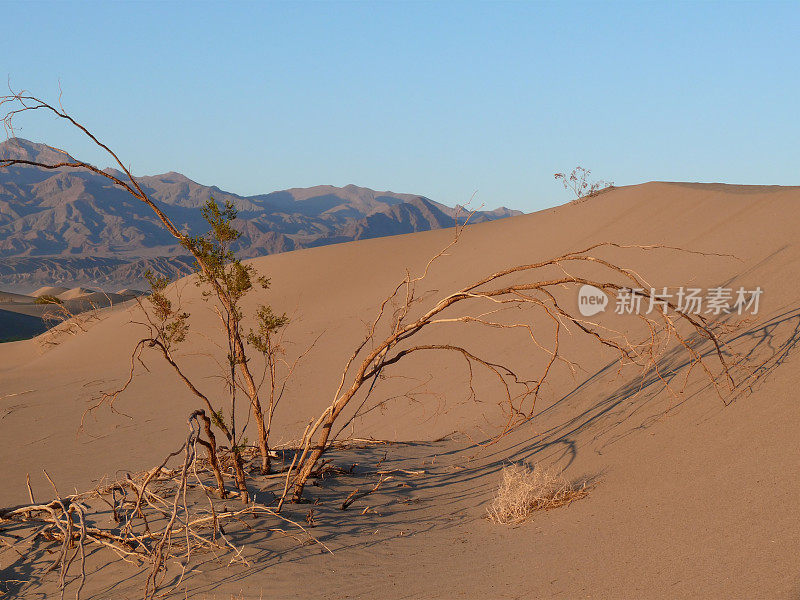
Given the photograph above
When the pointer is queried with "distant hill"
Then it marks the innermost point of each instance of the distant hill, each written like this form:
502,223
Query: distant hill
67,227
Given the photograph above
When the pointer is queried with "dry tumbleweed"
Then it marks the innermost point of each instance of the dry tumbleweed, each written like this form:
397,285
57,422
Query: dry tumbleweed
524,490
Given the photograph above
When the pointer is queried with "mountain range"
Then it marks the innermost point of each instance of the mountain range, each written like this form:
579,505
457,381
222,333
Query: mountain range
71,227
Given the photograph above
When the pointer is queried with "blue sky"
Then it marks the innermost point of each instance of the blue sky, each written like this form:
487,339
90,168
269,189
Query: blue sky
440,99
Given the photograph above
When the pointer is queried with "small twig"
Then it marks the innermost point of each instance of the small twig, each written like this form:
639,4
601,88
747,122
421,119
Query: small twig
356,494
30,490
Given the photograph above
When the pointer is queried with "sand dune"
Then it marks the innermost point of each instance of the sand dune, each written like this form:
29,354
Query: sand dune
10,297
16,325
20,317
694,499
50,290
129,293
76,293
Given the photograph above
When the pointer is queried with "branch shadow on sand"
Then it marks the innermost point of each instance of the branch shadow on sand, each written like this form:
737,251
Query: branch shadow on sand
432,485
460,475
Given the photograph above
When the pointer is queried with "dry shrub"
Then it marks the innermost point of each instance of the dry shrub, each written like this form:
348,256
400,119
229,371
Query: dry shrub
525,489
62,321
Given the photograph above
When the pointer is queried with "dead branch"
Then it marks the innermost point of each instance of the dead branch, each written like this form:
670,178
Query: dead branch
529,286
154,519
357,494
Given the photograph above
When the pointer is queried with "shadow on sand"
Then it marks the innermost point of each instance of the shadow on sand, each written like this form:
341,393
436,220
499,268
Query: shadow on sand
438,484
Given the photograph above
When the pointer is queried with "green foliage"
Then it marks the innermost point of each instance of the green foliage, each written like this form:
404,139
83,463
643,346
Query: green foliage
171,325
217,264
241,446
218,418
229,279
268,323
48,299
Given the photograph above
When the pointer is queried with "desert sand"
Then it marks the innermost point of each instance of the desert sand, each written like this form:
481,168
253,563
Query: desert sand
689,497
